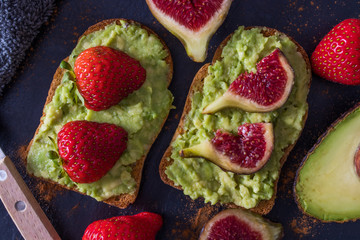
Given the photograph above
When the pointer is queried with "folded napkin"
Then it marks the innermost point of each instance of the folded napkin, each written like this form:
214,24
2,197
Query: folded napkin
20,21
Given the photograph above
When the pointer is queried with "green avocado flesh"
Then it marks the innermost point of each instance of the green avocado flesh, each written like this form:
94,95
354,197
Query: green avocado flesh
327,186
141,114
201,178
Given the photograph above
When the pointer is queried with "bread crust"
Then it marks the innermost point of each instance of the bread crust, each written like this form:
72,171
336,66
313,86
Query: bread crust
264,206
122,200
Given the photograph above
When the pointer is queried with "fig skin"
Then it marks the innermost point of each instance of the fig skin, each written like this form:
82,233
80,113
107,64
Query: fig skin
267,229
318,142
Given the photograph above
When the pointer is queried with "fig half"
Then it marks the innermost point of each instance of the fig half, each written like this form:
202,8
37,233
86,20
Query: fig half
263,91
193,22
235,224
244,153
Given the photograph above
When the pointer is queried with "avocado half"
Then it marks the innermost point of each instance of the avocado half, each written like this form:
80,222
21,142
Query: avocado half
327,184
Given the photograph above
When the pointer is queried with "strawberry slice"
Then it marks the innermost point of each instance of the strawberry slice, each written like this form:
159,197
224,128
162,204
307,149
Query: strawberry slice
105,76
90,149
337,57
142,226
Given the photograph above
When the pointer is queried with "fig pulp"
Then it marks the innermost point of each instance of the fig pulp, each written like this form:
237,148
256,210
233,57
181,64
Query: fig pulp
193,22
263,91
234,224
244,153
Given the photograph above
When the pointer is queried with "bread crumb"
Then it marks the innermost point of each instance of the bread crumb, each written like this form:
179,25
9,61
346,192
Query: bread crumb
286,183
47,191
303,225
194,223
22,153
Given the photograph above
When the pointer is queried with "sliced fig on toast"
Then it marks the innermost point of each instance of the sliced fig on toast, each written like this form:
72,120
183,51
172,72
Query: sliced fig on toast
263,91
234,224
244,153
193,22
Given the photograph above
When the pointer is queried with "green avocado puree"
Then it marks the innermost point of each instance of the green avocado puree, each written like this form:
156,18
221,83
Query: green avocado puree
201,178
141,114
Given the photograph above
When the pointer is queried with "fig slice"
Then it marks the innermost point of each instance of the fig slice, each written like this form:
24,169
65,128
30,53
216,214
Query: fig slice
244,153
263,91
234,224
193,22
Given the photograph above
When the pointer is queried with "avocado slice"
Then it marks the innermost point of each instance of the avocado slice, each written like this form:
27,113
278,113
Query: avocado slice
327,184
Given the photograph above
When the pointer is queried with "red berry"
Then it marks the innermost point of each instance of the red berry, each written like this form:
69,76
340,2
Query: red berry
142,226
105,76
337,57
90,149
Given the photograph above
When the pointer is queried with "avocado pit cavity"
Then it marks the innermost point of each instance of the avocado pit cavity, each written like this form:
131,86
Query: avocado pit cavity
357,161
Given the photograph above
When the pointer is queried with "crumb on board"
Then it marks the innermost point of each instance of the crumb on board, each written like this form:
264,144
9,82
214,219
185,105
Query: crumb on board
303,226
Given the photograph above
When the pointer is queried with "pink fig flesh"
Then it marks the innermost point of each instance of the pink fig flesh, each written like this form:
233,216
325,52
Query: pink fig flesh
191,14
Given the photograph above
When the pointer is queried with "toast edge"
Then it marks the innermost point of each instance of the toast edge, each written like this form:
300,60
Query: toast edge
263,206
122,200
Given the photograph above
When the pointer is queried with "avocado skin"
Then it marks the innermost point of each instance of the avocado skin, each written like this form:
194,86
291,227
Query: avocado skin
321,139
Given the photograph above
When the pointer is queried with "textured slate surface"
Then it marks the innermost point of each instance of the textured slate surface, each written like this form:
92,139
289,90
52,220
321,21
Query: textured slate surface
22,103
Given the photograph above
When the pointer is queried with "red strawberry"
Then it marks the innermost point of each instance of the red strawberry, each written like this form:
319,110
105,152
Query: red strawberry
90,149
142,226
337,57
105,76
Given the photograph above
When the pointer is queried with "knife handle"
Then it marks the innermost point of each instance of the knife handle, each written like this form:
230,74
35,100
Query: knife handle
22,206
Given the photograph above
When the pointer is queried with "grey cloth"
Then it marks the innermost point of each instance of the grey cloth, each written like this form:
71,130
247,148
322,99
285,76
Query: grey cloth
20,21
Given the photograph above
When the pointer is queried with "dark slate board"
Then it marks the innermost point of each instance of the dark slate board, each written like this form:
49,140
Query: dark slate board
22,103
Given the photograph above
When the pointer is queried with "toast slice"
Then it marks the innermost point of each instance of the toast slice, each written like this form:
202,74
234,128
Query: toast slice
263,206
124,199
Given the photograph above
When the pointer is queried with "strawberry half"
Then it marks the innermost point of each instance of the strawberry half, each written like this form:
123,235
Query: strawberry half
89,149
337,57
105,76
142,226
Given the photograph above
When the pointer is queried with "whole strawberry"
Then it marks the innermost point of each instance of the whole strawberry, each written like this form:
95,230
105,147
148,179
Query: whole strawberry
89,149
337,57
142,226
105,76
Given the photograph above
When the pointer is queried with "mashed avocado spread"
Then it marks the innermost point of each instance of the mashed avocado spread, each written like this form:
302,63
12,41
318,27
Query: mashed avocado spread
141,114
201,178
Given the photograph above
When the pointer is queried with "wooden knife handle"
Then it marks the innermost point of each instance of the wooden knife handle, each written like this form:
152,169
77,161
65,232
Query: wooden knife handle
22,206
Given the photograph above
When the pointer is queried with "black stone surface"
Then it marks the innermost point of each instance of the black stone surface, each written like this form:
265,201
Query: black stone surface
22,103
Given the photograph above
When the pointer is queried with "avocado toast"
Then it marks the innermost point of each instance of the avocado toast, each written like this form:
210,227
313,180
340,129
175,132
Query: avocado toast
198,177
142,114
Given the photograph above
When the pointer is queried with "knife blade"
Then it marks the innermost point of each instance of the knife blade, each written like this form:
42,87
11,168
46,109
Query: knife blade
21,205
